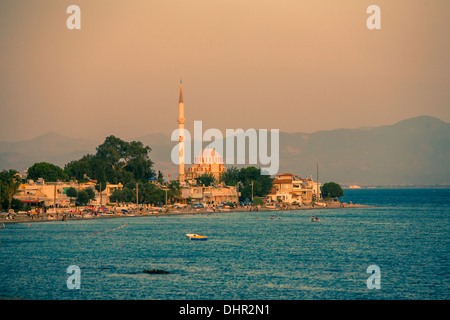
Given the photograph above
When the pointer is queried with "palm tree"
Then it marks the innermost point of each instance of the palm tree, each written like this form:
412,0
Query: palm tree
174,189
10,181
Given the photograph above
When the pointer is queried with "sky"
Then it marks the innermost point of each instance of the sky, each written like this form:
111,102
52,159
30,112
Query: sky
292,65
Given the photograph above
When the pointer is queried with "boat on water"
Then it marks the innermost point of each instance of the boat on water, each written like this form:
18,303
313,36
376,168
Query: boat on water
322,204
198,237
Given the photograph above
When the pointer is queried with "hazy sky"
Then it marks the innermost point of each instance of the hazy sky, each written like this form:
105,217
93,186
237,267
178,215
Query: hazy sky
297,66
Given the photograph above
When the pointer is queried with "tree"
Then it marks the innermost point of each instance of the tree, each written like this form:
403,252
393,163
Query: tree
160,178
123,195
124,156
90,193
332,190
10,181
230,177
49,172
258,201
17,205
82,197
262,184
150,193
71,193
206,179
174,190
115,161
117,196
79,169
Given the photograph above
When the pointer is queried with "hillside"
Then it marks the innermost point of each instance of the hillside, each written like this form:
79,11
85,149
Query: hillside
411,152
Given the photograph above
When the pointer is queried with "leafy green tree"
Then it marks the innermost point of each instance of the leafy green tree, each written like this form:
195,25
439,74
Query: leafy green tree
230,177
79,169
90,193
49,172
115,161
129,156
82,198
258,201
262,184
206,179
71,193
117,196
332,190
10,182
123,195
17,205
160,178
151,194
174,190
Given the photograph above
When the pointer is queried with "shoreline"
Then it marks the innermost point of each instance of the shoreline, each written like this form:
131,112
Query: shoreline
22,218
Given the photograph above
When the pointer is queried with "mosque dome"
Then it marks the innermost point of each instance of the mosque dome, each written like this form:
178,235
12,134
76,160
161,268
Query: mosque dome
208,156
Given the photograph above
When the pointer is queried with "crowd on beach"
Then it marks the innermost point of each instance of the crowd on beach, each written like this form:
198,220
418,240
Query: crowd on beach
89,212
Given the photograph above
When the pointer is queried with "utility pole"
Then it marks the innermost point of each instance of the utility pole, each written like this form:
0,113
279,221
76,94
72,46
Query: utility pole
318,181
252,191
54,198
166,196
137,195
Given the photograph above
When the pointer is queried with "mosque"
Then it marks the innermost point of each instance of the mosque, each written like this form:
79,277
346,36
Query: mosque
207,161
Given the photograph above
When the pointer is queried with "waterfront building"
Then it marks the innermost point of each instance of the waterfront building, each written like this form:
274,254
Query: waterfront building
290,188
54,193
212,195
208,161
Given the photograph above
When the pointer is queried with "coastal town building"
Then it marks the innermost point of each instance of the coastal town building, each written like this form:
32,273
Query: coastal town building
208,161
213,195
54,193
290,188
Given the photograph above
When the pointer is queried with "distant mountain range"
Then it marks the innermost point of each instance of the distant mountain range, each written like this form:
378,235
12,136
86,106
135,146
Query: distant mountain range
415,151
51,147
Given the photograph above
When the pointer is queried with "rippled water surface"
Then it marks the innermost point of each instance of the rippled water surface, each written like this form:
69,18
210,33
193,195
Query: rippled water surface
249,255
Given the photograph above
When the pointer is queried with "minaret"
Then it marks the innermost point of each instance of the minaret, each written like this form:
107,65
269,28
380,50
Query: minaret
181,121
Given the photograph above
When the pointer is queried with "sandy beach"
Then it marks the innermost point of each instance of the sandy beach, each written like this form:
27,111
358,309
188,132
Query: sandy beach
22,217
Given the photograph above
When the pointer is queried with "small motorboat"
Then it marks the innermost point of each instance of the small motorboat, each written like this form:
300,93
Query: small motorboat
198,237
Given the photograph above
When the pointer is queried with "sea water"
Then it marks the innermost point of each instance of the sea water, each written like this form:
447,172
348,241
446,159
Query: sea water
248,255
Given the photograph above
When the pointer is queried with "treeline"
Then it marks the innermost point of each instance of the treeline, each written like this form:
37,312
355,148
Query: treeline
252,183
114,161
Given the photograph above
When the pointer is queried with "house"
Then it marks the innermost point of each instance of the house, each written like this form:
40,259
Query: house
290,188
210,195
54,193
